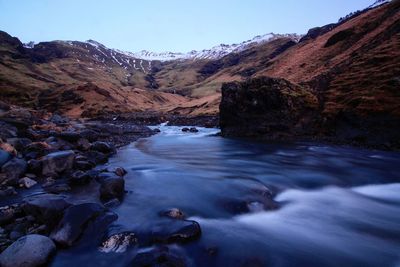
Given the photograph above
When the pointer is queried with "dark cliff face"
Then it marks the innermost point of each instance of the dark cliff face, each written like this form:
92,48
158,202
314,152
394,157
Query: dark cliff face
266,107
275,109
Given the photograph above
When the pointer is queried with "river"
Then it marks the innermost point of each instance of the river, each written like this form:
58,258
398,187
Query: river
293,204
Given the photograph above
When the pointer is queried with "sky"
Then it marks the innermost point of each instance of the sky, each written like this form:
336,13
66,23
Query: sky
166,25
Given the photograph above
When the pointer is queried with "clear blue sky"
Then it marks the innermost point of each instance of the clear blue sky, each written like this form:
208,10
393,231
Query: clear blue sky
166,25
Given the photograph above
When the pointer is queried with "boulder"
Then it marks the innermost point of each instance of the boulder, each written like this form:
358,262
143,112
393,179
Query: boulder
158,256
80,178
174,231
102,147
19,143
173,213
27,182
76,221
96,157
46,208
117,170
118,243
69,136
193,130
4,157
36,149
185,129
7,130
28,251
14,169
57,162
83,144
112,187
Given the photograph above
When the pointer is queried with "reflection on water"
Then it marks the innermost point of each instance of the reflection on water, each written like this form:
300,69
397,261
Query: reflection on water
333,206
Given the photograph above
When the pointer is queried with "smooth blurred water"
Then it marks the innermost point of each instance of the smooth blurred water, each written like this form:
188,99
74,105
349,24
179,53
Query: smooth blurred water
333,206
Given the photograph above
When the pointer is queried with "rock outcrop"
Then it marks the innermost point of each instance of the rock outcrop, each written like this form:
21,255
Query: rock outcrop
266,107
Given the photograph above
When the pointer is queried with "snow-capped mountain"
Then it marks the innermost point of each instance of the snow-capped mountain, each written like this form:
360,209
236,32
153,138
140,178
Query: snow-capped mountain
215,52
379,3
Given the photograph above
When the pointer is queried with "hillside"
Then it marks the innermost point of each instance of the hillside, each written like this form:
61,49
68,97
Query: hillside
352,70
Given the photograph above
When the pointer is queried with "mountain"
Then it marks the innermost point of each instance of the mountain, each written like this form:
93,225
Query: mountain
340,82
215,52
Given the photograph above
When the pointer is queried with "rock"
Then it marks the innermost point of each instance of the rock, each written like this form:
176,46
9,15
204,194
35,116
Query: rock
4,106
80,178
118,171
193,130
112,203
19,143
96,157
46,208
4,157
185,129
7,131
76,220
112,187
156,130
118,243
9,191
36,150
14,169
173,213
7,215
83,165
83,144
35,166
28,251
102,147
14,235
57,188
266,108
176,231
57,162
158,256
27,182
69,136
57,119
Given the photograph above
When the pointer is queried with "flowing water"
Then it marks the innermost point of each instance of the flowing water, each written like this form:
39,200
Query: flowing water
332,205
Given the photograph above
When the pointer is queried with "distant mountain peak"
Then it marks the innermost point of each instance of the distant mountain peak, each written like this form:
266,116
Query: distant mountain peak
215,52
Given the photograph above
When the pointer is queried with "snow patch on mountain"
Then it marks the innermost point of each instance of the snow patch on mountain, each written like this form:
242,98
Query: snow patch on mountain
215,52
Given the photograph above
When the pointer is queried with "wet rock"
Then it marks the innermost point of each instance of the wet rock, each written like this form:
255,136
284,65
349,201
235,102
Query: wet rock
57,188
176,231
14,235
19,143
76,220
80,178
4,106
7,131
156,130
112,187
118,171
46,208
112,203
35,166
83,165
57,119
193,130
96,157
185,129
28,251
102,147
9,191
14,169
69,136
7,215
27,182
57,162
83,144
36,150
4,157
173,213
118,243
158,256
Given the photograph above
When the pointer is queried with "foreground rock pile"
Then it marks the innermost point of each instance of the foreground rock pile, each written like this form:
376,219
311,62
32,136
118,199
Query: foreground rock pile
42,158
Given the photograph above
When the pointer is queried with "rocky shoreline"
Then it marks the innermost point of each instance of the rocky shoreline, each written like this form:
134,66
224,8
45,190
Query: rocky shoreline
43,157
